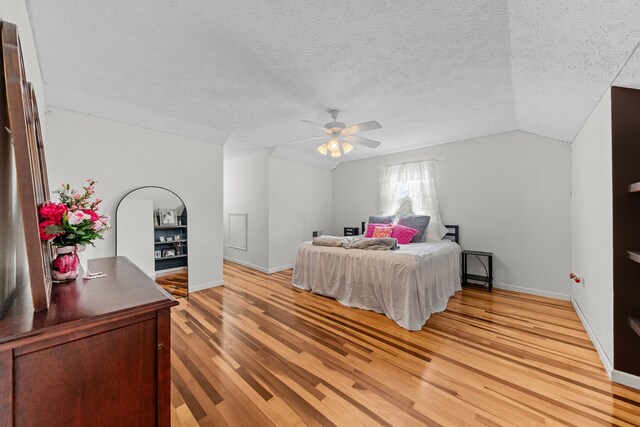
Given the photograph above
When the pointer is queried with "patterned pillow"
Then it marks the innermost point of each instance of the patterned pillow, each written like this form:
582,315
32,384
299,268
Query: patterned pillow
371,228
382,232
403,234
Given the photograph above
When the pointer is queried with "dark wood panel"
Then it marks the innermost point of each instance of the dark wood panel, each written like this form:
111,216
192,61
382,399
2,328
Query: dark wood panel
6,388
89,381
164,368
625,121
278,356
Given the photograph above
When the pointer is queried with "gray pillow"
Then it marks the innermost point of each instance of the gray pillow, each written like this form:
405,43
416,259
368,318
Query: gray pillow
419,222
378,219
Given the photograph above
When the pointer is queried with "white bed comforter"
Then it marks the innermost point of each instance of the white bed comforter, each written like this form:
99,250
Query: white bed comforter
407,284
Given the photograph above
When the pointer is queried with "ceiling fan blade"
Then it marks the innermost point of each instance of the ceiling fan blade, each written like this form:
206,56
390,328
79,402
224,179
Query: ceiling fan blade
363,141
361,127
315,138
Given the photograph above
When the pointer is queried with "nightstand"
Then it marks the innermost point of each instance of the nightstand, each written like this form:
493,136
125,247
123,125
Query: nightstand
351,231
466,276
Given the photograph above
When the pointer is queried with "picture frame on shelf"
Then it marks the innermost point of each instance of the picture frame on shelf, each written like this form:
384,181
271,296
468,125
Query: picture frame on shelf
168,253
161,238
177,238
167,217
169,238
157,254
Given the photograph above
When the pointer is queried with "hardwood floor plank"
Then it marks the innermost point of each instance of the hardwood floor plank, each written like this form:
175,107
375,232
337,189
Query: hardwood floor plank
177,284
259,352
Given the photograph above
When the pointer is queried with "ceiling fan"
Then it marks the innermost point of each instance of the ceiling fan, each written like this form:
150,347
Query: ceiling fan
338,137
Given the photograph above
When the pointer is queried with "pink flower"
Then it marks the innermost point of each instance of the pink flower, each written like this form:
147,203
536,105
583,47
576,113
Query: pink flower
105,220
97,225
53,212
92,214
76,217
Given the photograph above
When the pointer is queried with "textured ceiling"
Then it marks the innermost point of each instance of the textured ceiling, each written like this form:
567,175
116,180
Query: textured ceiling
246,72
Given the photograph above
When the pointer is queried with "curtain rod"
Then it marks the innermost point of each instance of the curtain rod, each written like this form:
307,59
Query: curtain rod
416,161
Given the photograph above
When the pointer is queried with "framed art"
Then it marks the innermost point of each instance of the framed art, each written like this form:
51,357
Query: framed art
167,217
168,253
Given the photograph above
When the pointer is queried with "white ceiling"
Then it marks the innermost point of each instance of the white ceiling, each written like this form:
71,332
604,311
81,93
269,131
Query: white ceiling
247,72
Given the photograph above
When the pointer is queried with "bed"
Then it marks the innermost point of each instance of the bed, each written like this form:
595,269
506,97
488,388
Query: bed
407,284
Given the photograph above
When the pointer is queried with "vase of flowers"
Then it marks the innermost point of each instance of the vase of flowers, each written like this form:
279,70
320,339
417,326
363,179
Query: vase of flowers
69,225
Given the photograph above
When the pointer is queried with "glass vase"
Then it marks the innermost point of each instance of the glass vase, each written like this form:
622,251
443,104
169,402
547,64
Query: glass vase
65,265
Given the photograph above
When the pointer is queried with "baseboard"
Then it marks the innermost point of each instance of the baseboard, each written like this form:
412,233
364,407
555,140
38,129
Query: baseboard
247,264
625,379
256,267
276,269
169,271
608,366
532,291
203,286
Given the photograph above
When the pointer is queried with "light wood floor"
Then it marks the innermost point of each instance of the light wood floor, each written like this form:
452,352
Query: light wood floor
256,352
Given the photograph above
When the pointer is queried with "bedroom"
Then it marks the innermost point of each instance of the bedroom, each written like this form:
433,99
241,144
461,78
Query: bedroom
513,102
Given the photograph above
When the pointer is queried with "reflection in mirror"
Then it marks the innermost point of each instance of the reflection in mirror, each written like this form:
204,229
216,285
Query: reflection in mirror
151,230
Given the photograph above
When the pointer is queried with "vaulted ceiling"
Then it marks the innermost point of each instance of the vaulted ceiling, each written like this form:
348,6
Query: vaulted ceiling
246,72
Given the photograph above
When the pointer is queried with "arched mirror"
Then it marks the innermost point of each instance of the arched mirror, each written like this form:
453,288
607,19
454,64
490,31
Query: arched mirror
151,230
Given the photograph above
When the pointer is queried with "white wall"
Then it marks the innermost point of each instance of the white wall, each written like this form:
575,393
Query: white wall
246,190
592,226
510,194
135,234
299,203
285,203
15,11
123,157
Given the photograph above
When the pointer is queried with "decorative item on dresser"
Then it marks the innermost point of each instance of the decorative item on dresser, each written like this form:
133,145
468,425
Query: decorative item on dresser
70,225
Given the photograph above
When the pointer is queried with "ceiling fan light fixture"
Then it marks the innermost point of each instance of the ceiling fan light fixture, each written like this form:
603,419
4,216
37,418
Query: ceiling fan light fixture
337,134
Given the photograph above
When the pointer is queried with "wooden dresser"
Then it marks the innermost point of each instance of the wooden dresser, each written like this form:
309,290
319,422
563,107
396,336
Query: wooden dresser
98,357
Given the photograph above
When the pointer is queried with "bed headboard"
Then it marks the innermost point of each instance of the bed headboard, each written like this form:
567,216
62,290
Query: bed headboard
453,233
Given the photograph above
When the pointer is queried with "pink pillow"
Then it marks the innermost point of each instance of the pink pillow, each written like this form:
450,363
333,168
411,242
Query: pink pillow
380,231
371,227
403,234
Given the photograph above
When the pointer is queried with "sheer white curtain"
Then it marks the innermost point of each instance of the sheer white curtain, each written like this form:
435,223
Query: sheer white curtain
416,180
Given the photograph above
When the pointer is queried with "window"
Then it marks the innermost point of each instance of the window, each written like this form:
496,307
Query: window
410,188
